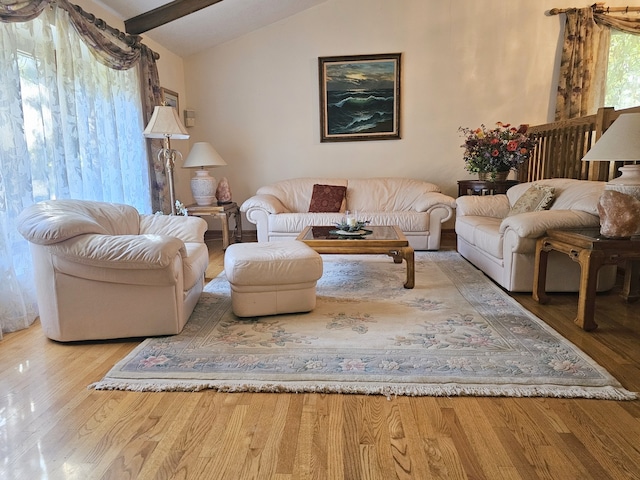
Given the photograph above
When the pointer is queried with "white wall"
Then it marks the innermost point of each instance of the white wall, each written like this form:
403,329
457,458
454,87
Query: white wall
464,63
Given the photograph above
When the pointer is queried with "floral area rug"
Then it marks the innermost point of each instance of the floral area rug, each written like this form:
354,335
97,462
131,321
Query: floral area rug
455,333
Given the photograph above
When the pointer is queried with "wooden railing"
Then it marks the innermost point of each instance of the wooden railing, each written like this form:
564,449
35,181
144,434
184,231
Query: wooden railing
560,146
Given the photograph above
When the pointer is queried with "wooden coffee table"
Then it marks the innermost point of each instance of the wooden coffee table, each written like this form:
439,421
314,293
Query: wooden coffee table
388,240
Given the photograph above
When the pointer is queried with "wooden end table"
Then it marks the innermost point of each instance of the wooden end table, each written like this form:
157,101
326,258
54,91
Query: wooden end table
223,213
591,251
388,240
484,187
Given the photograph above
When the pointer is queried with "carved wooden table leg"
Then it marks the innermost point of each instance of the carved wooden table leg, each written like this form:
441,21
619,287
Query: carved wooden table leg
408,255
540,272
631,286
590,262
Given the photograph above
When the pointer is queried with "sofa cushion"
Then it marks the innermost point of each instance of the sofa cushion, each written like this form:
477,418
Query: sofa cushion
389,194
327,198
570,194
53,221
295,193
536,198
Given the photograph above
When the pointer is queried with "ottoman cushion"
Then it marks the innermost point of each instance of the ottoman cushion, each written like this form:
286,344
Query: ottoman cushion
271,263
269,278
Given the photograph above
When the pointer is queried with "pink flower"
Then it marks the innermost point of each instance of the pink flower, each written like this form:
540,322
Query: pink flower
352,364
153,360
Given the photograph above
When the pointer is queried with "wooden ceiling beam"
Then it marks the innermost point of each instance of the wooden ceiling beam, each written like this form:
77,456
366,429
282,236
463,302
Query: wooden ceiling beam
164,14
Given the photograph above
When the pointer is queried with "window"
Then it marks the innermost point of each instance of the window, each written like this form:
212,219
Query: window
82,121
623,72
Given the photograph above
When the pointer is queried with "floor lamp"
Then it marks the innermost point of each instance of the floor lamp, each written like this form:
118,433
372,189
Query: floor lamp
165,124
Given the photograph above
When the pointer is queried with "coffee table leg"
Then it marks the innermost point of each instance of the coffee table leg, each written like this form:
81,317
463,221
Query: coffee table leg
409,257
406,254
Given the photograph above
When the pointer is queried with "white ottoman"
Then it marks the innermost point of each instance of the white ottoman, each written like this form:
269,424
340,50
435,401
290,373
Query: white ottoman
268,278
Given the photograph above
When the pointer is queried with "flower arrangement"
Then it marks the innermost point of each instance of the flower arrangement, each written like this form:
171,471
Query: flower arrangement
496,150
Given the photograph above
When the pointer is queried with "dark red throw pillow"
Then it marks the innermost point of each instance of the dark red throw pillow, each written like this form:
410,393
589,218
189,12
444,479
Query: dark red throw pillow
327,198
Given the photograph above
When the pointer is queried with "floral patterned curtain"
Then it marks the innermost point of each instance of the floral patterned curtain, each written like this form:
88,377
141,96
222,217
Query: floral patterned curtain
583,68
581,84
40,70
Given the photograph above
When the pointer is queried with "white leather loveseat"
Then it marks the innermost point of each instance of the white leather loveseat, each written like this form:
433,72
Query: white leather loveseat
281,210
501,242
103,271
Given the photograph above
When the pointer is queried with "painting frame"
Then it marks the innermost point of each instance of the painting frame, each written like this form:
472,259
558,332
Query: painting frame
170,98
351,84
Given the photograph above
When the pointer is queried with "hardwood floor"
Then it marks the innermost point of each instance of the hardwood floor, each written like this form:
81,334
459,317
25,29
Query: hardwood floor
53,427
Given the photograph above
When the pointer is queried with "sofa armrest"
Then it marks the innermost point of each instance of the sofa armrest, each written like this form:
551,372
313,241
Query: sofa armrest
269,203
125,252
535,224
496,206
188,229
434,199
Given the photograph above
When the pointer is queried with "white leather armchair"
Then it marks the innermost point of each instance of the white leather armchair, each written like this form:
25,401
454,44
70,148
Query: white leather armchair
103,271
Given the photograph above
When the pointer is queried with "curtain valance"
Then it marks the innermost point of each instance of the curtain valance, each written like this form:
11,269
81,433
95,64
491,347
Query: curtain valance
582,76
111,47
21,10
625,23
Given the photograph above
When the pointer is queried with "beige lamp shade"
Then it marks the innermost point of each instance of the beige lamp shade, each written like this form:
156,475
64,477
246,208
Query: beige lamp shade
203,185
165,122
203,154
620,142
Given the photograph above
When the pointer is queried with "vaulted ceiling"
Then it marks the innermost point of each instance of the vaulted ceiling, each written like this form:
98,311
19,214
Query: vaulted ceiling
201,24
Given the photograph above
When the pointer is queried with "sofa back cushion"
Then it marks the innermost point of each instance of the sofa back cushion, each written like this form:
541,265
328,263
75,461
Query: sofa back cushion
295,193
53,221
387,194
570,194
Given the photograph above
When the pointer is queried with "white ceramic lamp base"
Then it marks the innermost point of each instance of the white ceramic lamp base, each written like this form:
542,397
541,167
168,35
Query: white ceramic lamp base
628,182
203,188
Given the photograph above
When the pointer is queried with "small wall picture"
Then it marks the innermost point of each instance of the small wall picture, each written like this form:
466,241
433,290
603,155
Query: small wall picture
170,98
359,97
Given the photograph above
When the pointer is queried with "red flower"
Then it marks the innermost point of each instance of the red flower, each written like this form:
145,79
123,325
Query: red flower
495,152
512,146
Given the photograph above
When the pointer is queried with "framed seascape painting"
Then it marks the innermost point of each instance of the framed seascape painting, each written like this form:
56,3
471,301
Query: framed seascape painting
359,97
169,98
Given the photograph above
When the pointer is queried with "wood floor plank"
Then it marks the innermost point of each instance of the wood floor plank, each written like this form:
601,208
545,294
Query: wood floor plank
60,430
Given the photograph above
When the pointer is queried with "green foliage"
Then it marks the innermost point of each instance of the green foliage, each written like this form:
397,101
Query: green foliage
623,73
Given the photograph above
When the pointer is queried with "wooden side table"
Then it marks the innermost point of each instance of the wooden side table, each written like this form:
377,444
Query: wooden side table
591,251
223,213
484,187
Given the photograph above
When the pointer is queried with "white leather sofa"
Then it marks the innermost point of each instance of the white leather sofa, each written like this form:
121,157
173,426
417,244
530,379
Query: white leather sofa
503,245
280,211
103,271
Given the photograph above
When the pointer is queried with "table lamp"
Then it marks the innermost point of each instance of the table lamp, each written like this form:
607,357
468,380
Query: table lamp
618,205
203,185
621,143
165,123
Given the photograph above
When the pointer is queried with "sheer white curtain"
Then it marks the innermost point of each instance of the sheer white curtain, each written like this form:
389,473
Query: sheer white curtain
71,128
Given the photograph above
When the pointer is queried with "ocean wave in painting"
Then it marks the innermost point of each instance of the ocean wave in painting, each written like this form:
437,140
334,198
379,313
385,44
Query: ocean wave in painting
360,111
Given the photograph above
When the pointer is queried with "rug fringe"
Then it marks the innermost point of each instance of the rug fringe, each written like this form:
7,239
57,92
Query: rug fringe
450,390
